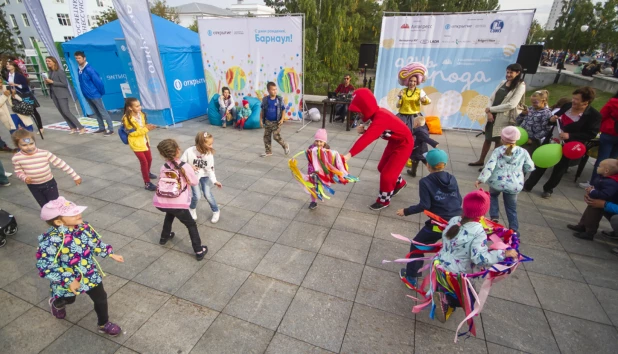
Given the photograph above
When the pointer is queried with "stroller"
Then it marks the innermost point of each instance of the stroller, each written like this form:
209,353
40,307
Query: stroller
8,226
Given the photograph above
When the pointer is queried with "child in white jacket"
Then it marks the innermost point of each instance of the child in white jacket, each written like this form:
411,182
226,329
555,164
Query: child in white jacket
201,157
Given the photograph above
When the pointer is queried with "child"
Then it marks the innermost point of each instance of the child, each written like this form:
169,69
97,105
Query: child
66,257
243,115
439,194
319,142
227,108
271,119
535,120
604,188
134,121
421,139
504,172
464,245
178,206
201,157
31,165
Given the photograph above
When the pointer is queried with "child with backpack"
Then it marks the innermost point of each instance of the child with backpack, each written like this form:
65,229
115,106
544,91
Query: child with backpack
201,157
172,195
137,127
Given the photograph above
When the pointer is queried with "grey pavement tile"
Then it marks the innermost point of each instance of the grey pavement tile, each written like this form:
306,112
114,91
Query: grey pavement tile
268,186
89,185
93,204
261,300
31,332
358,202
233,219
130,307
138,199
597,248
169,272
117,241
278,174
368,189
243,252
596,271
609,300
108,215
517,287
124,350
346,245
578,301
375,331
317,318
539,236
293,190
226,194
493,348
551,262
211,237
78,340
387,250
360,223
240,181
282,344
282,207
429,339
324,215
137,223
266,227
334,276
231,335
16,259
385,291
213,285
137,256
517,326
305,236
251,201
11,307
401,226
580,336
29,287
153,235
286,263
175,328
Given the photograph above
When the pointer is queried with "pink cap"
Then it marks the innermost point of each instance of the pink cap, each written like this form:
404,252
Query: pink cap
476,204
510,134
245,102
60,207
320,135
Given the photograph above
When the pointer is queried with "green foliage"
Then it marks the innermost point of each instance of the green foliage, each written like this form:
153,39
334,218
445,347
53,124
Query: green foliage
106,16
536,33
193,26
159,8
440,6
567,34
8,37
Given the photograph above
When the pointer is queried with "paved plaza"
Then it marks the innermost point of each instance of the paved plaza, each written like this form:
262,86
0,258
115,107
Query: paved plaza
279,278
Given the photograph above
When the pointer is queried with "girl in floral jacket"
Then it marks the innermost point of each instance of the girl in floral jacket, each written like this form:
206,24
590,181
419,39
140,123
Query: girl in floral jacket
66,257
535,120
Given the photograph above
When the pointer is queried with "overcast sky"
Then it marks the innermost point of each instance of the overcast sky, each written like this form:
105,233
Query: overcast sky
542,6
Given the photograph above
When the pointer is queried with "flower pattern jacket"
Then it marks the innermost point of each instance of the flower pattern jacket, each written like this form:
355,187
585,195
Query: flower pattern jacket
536,123
65,255
506,173
464,252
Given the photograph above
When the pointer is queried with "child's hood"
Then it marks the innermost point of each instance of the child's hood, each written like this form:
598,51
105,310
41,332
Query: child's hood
444,181
420,129
518,154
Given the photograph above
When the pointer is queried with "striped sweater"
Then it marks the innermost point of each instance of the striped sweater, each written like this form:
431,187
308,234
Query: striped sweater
36,166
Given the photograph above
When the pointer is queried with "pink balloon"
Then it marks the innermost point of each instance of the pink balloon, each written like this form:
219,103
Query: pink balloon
573,150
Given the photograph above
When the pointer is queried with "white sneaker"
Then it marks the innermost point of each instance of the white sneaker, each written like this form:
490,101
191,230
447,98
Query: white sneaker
215,217
193,213
584,185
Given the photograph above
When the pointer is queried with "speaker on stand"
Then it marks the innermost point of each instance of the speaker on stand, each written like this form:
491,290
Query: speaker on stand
367,60
529,58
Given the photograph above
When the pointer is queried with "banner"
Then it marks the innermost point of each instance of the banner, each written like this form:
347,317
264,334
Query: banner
466,56
79,16
127,65
134,16
244,54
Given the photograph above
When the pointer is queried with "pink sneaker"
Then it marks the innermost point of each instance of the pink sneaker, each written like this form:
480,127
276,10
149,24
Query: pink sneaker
59,313
111,329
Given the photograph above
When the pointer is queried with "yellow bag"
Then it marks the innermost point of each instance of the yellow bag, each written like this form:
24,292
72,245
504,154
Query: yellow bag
433,124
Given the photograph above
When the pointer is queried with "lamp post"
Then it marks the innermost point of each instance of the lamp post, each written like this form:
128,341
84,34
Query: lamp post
583,28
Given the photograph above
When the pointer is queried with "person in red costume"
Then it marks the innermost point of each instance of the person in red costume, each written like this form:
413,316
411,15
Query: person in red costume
382,124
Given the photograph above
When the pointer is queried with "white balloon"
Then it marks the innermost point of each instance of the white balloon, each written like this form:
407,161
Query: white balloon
449,103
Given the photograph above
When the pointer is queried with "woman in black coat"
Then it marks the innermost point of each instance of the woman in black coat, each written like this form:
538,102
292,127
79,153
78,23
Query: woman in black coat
18,82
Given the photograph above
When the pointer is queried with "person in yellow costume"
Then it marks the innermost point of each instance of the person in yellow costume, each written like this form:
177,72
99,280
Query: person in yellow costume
412,97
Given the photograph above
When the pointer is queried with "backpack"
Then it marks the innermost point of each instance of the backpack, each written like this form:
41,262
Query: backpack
171,182
123,133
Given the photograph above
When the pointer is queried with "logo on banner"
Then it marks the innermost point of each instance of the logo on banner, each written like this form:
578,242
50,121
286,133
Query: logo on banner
488,40
154,85
124,49
209,32
449,26
496,26
178,85
430,41
405,26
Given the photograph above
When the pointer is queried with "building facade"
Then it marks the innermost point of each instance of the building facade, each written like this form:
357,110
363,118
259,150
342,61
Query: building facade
554,15
188,13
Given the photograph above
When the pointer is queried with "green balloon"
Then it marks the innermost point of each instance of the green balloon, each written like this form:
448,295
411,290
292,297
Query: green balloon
547,156
524,136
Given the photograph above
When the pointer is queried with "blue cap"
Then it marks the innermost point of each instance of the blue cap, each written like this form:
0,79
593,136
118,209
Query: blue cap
436,156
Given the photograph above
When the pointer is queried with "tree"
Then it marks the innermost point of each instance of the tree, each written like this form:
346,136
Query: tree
441,5
567,34
8,43
605,32
106,16
536,33
193,26
158,7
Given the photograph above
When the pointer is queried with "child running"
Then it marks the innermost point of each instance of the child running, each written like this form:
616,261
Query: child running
504,172
535,120
271,120
172,196
320,139
243,114
66,257
421,139
439,194
31,165
201,157
464,245
134,121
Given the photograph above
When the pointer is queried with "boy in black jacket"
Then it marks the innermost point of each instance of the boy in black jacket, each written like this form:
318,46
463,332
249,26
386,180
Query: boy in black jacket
421,139
439,194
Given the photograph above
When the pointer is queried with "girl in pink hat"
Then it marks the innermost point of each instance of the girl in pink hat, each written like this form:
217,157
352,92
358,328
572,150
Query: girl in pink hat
320,139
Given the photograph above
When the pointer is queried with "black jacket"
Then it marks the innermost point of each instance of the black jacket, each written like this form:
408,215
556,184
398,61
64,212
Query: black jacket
421,139
585,129
439,193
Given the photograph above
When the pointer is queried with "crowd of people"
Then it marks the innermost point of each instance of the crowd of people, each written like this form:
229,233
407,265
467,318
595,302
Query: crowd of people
587,64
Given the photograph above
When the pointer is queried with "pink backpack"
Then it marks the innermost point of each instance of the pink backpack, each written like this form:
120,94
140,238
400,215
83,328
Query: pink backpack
171,182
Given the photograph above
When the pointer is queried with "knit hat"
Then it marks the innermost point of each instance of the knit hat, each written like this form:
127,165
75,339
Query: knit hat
244,102
510,134
320,135
60,207
476,204
435,157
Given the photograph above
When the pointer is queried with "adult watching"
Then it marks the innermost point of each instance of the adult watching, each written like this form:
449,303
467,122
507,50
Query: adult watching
19,84
93,90
59,93
344,88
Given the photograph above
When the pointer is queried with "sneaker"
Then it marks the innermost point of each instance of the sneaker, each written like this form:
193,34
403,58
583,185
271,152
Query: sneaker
610,234
215,217
397,190
59,313
193,213
111,329
576,228
8,174
584,185
266,154
439,299
402,275
201,255
313,205
546,195
149,186
223,124
108,133
377,206
412,173
287,149
163,240
152,175
99,131
584,236
5,184
2,242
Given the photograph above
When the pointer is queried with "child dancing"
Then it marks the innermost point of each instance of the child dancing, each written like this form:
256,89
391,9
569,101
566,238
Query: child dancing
134,120
420,133
319,142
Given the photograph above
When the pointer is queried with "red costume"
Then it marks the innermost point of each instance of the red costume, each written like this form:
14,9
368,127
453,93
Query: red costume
385,125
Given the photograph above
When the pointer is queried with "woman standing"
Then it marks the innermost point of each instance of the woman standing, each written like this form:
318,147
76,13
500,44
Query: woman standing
59,92
503,110
411,98
18,82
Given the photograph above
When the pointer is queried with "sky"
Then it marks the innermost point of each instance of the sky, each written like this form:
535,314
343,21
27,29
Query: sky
542,6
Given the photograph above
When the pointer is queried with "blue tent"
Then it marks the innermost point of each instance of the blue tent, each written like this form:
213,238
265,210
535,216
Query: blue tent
180,56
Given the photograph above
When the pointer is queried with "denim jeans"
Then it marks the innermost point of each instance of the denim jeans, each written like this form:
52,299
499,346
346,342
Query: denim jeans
608,149
3,178
510,204
222,113
206,186
96,104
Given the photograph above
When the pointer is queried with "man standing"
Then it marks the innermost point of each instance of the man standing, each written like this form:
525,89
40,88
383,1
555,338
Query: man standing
341,110
93,90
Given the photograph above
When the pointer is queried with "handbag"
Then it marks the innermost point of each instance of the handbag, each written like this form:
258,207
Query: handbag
23,108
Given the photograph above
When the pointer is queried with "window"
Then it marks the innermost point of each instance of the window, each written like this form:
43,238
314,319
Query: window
13,21
68,38
59,1
64,19
33,42
21,41
100,3
24,18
